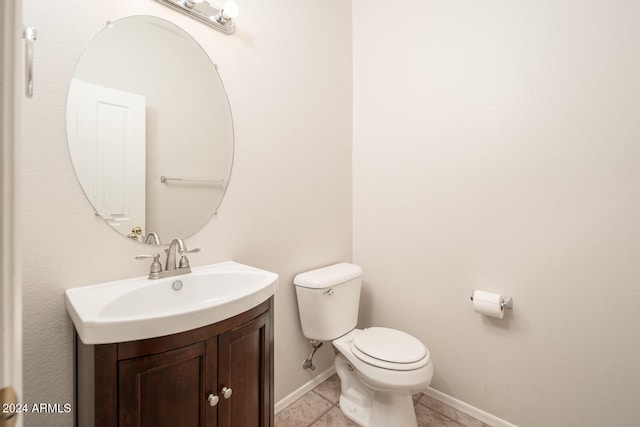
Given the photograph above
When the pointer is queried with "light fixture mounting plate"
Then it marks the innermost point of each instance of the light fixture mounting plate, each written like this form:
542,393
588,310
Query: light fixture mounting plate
202,12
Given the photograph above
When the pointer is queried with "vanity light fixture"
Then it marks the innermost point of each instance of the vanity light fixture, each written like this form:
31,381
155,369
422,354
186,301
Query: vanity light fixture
204,11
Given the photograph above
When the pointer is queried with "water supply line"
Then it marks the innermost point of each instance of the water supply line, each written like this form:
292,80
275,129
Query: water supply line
308,362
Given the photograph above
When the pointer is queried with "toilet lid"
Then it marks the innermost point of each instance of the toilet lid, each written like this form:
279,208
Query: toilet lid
390,345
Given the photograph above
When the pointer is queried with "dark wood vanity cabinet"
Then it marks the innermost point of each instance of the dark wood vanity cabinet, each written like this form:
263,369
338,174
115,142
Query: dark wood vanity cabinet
220,375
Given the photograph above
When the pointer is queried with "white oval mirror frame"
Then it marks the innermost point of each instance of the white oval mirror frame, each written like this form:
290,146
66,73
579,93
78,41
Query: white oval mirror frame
150,130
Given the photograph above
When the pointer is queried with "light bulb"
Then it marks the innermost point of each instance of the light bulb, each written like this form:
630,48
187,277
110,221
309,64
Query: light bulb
230,10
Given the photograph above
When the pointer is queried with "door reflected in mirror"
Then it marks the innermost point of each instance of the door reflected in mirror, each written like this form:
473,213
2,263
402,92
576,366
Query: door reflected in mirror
150,130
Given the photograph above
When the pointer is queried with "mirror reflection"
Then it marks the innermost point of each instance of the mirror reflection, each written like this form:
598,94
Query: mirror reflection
150,130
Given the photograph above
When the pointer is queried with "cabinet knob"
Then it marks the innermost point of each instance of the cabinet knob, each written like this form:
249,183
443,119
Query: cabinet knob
213,400
226,392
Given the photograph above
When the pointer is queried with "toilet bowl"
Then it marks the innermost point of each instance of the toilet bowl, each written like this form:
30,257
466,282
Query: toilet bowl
378,392
379,368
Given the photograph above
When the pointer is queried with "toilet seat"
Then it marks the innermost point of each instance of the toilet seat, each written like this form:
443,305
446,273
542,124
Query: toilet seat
389,349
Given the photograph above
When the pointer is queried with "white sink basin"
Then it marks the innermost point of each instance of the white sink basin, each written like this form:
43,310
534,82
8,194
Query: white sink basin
133,309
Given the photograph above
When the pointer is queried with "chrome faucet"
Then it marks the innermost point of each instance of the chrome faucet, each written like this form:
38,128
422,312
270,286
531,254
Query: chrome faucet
171,268
177,247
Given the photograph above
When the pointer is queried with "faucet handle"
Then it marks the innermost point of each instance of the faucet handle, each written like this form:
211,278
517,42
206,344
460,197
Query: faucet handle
156,267
190,251
184,261
186,251
155,256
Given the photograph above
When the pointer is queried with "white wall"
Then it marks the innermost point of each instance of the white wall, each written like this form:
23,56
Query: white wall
496,147
288,205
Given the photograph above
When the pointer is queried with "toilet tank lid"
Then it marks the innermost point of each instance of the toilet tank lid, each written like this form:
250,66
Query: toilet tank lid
326,277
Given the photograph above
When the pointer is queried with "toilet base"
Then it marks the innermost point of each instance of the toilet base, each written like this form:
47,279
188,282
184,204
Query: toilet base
372,408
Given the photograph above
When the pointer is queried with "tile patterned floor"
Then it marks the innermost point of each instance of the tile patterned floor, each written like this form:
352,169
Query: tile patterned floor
320,408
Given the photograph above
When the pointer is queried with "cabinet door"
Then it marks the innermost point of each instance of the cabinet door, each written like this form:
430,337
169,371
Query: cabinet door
168,389
243,366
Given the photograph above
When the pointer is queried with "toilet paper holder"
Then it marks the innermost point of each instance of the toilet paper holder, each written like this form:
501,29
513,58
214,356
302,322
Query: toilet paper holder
505,302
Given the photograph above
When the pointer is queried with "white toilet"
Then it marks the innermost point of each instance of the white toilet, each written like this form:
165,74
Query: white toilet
379,368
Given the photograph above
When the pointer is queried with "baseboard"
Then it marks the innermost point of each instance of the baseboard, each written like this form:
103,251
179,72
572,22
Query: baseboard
297,394
472,411
459,405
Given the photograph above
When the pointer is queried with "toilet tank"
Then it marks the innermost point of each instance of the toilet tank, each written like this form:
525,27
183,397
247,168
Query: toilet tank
328,300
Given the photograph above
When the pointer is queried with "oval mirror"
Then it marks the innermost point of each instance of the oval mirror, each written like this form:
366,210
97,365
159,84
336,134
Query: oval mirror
150,130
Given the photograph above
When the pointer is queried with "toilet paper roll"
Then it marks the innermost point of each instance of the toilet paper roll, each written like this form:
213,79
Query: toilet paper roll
488,303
